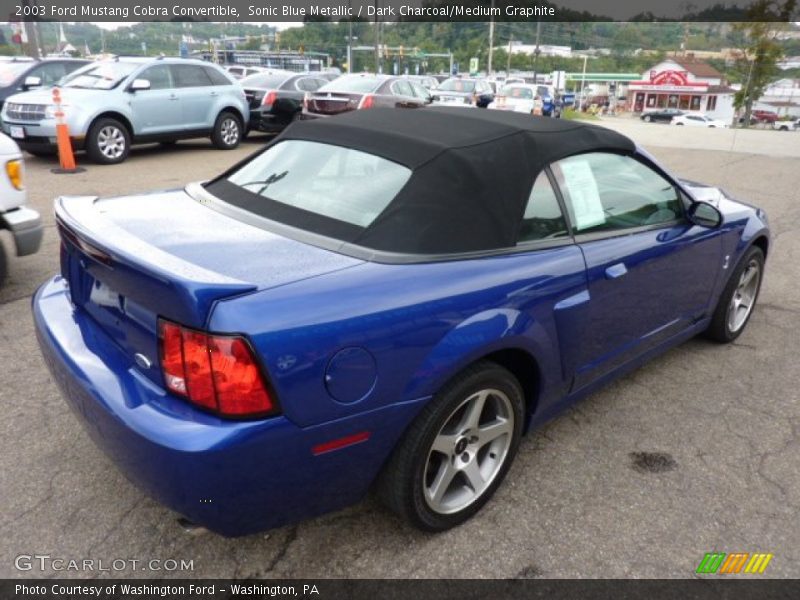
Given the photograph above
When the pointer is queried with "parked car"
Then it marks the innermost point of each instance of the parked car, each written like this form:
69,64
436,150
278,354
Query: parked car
764,116
112,104
363,90
23,223
696,120
662,115
465,92
20,75
548,96
390,297
276,97
787,125
517,97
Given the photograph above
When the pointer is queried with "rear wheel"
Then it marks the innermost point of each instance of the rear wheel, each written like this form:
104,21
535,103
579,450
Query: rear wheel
738,299
457,451
227,131
108,142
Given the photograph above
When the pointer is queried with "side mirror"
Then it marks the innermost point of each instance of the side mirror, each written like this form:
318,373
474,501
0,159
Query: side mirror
139,85
31,82
705,215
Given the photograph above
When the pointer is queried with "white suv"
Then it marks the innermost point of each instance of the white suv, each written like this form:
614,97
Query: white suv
24,224
112,104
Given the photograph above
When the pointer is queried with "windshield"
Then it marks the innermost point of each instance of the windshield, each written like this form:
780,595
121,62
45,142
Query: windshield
356,83
457,85
518,92
10,71
101,76
265,80
331,181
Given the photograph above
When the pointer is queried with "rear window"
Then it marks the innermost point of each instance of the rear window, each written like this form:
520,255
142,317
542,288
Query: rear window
357,84
518,92
265,80
330,181
457,85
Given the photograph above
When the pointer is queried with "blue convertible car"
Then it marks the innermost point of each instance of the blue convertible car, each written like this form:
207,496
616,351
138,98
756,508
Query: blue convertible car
385,299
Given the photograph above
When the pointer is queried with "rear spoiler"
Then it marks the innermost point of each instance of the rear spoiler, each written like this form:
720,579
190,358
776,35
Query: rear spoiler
170,286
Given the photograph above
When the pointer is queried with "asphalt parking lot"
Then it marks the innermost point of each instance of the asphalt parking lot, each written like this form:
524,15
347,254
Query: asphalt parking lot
695,452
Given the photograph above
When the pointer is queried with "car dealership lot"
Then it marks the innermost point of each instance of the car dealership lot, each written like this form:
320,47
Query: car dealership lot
695,452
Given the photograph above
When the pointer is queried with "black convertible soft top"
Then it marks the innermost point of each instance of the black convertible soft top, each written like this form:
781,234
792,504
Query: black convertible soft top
473,170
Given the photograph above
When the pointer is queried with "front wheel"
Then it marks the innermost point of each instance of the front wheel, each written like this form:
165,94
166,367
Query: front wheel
227,131
647,118
457,451
738,299
108,142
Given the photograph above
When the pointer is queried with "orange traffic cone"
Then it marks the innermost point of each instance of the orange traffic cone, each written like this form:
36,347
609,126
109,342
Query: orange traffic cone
65,156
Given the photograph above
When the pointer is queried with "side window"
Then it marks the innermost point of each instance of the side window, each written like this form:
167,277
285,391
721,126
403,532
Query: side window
542,219
216,77
607,192
49,73
190,76
402,88
158,76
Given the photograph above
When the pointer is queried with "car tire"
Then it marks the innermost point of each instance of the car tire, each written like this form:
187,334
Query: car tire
647,118
736,303
227,133
108,142
452,458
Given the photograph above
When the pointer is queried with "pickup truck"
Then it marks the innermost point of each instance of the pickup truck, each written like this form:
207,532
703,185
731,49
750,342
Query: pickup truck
793,125
23,223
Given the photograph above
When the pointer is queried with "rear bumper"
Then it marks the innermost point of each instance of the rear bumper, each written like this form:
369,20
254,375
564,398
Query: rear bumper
26,228
232,477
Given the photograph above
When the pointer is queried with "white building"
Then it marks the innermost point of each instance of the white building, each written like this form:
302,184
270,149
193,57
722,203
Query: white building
686,83
544,49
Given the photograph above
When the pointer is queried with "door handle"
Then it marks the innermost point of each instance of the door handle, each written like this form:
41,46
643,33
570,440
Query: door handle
616,271
173,97
213,93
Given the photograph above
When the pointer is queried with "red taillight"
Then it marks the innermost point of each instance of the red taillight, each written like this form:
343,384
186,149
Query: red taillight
217,372
270,98
367,101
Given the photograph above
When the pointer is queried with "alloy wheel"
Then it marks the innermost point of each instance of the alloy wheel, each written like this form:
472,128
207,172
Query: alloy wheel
111,142
229,131
744,296
469,451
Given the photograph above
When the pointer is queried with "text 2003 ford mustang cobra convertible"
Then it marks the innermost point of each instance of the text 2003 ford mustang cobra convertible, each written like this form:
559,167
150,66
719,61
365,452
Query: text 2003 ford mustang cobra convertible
387,297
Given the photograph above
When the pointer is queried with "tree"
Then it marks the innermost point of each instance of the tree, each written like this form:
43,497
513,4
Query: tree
758,62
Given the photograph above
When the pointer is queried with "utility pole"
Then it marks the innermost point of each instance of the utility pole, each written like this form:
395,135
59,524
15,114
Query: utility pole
536,50
350,40
377,41
491,41
508,57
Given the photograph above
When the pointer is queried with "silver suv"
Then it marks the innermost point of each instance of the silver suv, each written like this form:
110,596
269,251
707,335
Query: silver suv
112,104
